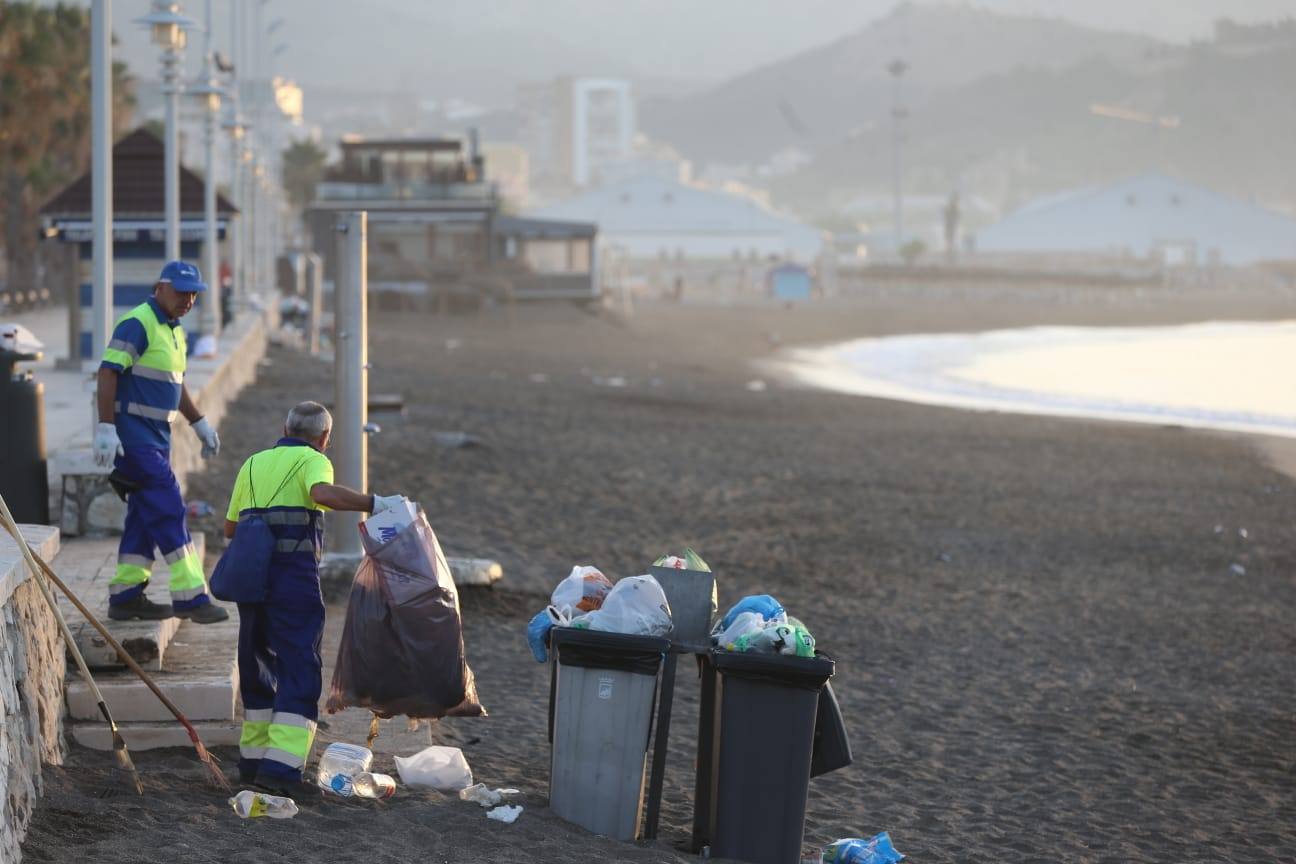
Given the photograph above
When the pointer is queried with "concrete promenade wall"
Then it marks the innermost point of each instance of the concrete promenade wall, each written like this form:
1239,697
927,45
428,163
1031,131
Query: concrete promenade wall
32,669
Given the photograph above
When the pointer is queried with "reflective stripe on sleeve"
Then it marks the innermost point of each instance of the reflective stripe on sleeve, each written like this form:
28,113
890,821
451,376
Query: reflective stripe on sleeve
124,347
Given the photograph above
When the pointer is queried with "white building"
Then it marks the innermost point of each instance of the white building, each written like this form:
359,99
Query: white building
673,237
1147,217
653,217
575,128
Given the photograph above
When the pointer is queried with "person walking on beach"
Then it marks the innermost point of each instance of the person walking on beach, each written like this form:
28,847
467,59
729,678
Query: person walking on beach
289,486
141,390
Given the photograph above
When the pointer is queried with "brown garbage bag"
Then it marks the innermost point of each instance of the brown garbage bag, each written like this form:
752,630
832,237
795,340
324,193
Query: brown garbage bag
402,649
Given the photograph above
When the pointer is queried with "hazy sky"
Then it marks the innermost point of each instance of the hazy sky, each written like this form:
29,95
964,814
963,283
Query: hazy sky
380,44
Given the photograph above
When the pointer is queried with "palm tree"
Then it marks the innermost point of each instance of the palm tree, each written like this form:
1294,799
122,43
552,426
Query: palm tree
44,116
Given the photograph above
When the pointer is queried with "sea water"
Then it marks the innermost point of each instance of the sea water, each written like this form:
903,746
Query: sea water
1217,375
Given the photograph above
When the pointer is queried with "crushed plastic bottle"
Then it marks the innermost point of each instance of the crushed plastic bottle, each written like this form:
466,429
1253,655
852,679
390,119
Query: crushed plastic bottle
367,785
340,765
253,805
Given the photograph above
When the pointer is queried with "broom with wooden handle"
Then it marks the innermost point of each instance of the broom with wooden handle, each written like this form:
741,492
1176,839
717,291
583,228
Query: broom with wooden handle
39,574
38,565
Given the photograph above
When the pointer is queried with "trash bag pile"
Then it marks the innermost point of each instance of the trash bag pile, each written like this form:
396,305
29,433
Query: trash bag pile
588,600
402,649
759,624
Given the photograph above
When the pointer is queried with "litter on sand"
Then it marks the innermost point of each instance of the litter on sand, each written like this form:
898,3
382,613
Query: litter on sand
505,813
479,793
253,805
442,768
853,850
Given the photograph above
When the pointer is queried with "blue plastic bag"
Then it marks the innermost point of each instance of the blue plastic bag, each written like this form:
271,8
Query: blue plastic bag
852,850
762,604
538,635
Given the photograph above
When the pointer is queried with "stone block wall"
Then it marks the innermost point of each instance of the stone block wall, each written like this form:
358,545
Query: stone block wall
32,669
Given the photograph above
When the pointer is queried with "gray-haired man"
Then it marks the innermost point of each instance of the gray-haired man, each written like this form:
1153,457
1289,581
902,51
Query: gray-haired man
290,486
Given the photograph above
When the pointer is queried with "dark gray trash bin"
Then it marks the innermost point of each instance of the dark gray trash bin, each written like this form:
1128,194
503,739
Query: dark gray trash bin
605,687
24,481
831,745
692,598
765,711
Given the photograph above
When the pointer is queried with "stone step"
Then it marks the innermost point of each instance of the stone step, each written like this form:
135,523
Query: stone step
154,736
200,676
88,573
130,701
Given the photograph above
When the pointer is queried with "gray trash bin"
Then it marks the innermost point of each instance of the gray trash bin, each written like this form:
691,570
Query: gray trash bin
605,687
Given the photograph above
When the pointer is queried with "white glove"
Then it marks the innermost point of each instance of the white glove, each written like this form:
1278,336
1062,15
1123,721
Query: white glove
207,435
385,502
107,445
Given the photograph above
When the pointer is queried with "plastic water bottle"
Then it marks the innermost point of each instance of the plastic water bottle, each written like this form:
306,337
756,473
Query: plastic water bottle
367,785
340,765
253,805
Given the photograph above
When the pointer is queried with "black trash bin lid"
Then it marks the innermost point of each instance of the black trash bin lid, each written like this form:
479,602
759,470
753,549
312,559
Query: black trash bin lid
808,673
594,649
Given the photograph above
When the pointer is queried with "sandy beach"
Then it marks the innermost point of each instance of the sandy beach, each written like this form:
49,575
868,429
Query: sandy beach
1053,641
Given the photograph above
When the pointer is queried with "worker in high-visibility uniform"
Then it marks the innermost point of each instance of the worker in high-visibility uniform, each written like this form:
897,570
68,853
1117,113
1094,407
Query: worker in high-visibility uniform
280,670
141,391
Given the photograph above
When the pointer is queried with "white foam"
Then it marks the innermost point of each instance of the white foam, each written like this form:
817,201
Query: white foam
1233,376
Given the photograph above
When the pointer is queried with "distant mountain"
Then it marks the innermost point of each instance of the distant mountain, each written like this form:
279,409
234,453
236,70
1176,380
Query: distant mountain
818,97
1218,113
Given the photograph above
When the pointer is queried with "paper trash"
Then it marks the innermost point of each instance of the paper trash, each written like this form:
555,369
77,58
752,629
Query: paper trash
383,527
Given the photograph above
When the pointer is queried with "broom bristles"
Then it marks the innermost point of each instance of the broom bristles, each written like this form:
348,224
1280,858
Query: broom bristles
207,757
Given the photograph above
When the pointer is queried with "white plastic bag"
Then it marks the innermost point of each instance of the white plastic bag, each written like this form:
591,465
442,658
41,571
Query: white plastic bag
746,623
635,605
442,768
584,590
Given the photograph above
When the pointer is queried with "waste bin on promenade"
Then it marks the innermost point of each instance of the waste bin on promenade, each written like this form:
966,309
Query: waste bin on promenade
605,688
760,752
23,478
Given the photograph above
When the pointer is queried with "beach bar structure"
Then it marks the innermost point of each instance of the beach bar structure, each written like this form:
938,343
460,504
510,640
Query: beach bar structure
436,230
138,231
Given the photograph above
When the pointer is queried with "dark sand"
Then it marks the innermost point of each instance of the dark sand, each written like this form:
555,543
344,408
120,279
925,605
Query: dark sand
1042,652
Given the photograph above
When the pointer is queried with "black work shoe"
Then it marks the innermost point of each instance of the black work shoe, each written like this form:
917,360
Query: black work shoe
140,608
207,613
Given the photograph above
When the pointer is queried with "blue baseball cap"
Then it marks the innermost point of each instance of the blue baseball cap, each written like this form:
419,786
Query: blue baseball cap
182,276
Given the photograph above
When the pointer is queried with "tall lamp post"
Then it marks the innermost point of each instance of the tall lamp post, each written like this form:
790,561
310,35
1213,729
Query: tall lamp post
101,175
897,68
211,94
168,29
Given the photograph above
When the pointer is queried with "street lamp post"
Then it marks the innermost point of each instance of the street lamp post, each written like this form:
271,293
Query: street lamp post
211,94
897,69
101,176
168,29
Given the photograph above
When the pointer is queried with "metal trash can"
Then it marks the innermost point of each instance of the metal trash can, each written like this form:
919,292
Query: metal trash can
692,598
605,688
764,731
24,480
